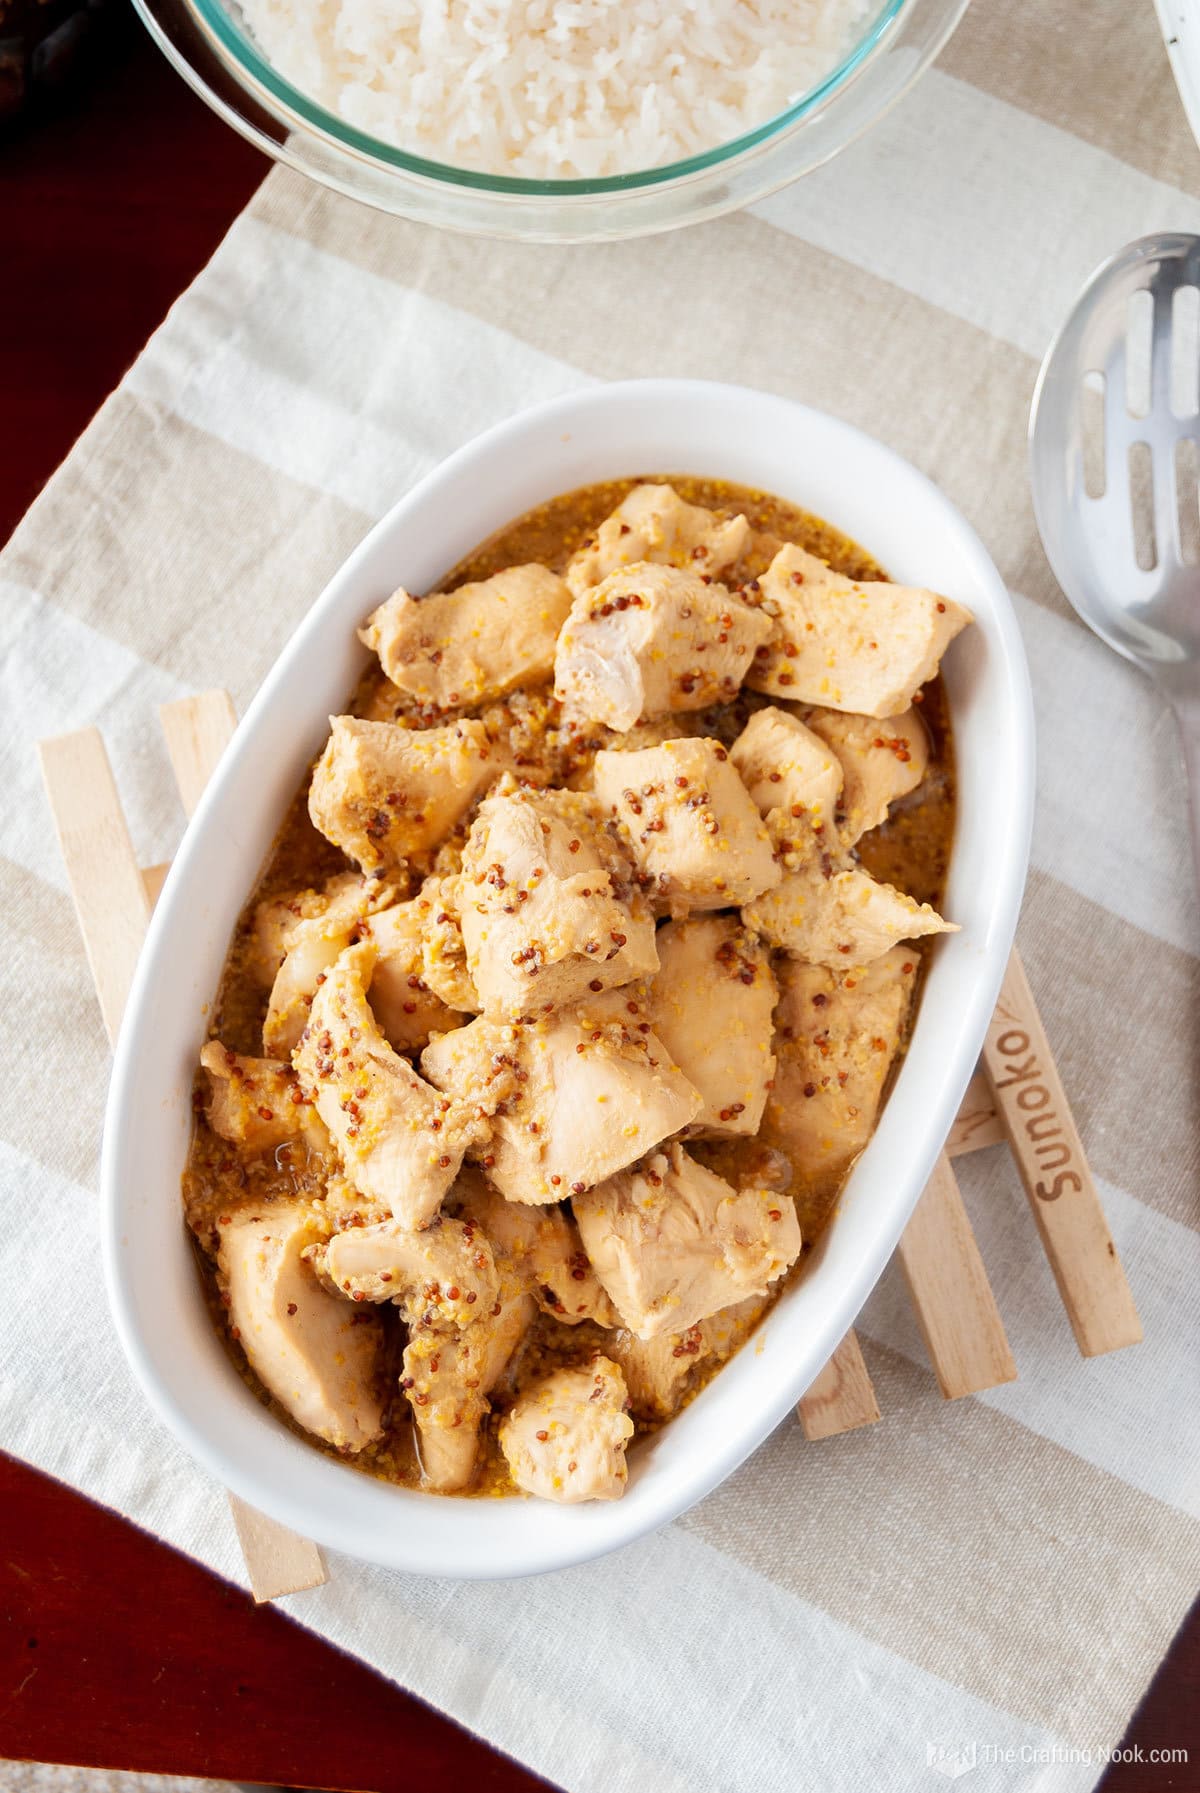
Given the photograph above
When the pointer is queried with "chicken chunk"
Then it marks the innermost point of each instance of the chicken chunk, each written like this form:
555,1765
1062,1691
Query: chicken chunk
544,1246
445,1273
848,644
385,794
654,638
880,760
710,1003
837,1034
654,523
275,922
314,943
571,1097
257,1103
787,768
401,1000
474,643
449,1372
317,1355
694,829
443,953
565,1438
346,1206
659,1372
672,1243
400,1142
549,908
844,919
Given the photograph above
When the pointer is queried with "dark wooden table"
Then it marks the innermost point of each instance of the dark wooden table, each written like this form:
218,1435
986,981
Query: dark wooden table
114,1650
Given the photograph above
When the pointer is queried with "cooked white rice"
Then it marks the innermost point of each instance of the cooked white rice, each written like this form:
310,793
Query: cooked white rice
556,89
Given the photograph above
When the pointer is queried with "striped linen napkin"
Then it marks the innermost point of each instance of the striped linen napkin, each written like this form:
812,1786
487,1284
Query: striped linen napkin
999,1576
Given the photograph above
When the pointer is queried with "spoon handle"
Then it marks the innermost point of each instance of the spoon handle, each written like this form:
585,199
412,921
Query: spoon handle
1189,729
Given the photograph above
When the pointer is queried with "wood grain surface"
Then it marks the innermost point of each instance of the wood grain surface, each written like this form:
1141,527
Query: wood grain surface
114,1649
843,1396
951,1296
1033,1110
107,886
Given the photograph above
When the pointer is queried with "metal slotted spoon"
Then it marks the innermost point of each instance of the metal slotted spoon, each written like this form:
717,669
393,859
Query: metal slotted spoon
1114,449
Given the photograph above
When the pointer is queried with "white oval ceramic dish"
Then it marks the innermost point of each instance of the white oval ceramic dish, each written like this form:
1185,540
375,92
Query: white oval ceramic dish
602,433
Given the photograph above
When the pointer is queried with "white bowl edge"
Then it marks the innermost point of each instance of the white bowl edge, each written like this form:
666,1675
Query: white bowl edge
664,426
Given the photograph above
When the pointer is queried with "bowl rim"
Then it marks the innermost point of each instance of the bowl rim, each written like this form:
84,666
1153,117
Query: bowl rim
238,48
310,1502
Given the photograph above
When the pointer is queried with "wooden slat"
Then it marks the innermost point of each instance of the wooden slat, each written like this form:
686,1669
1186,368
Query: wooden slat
976,1124
955,1308
1045,1142
842,1397
197,730
153,879
102,870
278,1561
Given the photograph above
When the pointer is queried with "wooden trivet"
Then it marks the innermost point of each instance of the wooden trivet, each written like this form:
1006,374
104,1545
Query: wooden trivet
1017,1097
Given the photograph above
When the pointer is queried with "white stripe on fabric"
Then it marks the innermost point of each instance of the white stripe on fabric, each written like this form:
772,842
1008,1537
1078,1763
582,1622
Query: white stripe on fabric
1122,1412
1111,818
954,183
57,674
355,384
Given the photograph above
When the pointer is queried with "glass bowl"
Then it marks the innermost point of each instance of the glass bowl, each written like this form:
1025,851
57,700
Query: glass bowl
211,48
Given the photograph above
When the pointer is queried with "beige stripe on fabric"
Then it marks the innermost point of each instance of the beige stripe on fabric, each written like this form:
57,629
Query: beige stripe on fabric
194,556
1060,62
1014,1540
713,287
1123,1014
